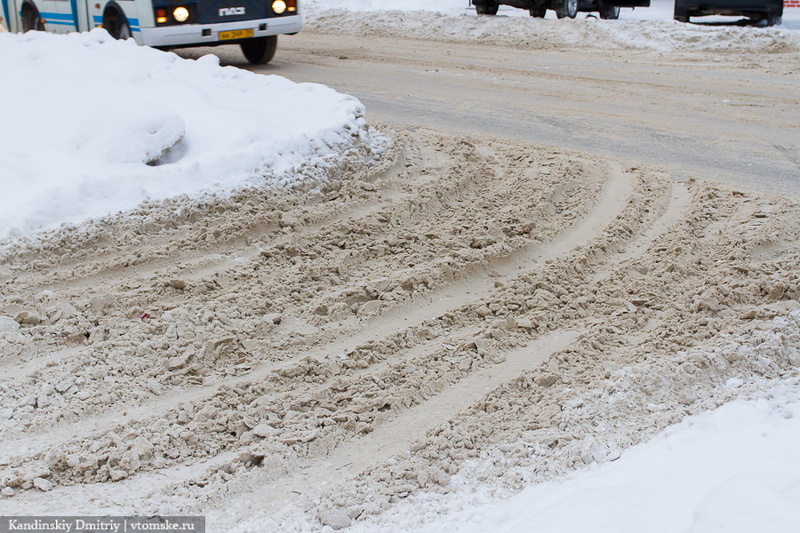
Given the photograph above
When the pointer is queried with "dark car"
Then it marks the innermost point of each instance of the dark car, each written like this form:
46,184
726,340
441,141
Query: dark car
608,9
770,11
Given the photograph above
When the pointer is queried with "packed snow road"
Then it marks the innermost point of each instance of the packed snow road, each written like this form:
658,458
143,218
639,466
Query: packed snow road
560,254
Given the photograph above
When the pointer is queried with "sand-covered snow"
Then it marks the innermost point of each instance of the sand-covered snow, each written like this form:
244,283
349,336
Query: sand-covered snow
411,330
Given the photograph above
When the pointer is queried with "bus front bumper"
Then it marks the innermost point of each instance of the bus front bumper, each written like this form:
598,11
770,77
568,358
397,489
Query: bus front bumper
209,34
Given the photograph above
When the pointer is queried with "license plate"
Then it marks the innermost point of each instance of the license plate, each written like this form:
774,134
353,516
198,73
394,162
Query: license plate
235,34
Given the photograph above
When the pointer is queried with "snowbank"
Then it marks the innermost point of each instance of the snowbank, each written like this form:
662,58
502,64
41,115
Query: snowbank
658,10
650,28
93,126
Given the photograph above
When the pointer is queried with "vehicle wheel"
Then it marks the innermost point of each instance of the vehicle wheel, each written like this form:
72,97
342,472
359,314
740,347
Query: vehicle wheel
772,21
31,20
489,8
538,12
260,50
608,12
116,24
566,8
681,16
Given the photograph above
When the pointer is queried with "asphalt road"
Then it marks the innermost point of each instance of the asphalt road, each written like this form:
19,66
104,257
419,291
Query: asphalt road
705,116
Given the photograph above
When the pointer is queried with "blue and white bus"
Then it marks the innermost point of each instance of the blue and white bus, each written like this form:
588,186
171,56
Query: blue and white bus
252,24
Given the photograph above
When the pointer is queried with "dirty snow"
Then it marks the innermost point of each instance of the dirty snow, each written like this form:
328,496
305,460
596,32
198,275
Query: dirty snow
733,469
178,354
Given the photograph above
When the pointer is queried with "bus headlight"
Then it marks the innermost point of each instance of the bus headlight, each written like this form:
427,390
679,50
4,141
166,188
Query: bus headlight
181,14
279,6
175,14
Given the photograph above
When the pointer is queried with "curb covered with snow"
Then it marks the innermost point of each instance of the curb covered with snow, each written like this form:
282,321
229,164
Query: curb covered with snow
102,125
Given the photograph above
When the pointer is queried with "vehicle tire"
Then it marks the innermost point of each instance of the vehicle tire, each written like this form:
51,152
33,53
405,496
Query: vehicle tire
772,21
488,8
538,12
31,20
682,18
608,12
260,50
116,24
566,8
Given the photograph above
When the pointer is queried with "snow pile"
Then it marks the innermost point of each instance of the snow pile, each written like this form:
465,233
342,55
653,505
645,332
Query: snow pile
640,29
93,126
